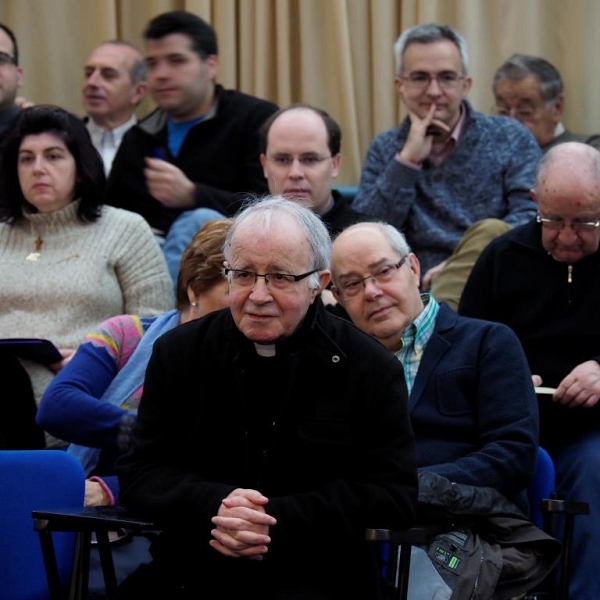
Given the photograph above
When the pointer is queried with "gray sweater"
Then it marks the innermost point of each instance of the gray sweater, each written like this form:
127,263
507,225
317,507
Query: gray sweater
488,175
85,273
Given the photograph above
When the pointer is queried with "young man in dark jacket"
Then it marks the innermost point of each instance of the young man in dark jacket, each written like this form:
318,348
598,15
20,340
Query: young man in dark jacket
199,149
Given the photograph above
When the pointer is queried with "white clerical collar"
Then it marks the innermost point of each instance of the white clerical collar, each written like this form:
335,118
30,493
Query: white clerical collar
267,350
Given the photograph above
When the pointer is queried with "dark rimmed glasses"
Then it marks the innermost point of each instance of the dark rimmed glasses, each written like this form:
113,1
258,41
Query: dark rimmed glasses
275,281
7,59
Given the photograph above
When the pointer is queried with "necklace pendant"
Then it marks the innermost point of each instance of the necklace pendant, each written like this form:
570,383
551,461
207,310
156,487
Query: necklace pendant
33,256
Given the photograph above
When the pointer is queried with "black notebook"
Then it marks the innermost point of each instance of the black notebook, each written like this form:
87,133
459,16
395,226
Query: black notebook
36,349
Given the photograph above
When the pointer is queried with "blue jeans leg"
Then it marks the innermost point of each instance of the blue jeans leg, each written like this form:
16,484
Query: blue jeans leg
578,478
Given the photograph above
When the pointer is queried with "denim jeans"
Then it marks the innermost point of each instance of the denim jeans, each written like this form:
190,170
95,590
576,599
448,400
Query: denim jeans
578,479
181,233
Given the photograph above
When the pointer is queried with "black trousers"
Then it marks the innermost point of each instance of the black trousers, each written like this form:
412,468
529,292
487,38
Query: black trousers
150,582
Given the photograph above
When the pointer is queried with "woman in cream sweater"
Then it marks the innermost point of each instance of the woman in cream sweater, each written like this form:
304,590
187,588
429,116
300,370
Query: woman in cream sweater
67,262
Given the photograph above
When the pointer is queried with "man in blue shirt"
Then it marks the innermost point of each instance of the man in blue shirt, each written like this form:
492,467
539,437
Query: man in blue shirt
196,157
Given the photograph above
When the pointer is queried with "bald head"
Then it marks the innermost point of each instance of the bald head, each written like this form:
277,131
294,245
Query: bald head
568,190
114,83
569,173
300,155
376,279
570,159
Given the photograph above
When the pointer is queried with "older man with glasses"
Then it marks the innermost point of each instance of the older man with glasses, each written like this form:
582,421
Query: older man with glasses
543,280
270,434
471,400
11,78
449,177
530,89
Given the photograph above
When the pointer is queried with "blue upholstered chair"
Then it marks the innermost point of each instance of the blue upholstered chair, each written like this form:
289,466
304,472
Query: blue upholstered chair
29,479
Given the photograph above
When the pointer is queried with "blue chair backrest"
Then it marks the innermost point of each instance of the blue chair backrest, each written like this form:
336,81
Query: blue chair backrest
34,479
542,485
347,191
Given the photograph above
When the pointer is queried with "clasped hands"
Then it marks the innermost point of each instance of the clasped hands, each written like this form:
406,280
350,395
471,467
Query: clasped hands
242,525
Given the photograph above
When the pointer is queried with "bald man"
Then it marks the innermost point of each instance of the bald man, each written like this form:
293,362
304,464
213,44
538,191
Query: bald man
471,399
300,149
543,280
114,85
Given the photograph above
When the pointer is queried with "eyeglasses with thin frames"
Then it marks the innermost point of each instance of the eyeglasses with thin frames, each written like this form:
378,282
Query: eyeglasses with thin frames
560,224
6,59
307,161
276,281
420,80
384,274
521,114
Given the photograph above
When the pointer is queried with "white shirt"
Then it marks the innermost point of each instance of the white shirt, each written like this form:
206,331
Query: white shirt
107,141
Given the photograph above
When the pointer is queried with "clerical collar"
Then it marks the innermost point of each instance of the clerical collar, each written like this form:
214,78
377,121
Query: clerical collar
266,350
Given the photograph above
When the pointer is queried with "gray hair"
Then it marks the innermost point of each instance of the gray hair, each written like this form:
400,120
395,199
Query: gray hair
137,72
519,66
395,238
261,211
427,34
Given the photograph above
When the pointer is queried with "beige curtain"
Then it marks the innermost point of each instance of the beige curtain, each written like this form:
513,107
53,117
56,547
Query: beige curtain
335,54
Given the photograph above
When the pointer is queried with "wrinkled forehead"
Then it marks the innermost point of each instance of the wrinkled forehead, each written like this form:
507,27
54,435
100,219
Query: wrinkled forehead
271,237
525,89
360,246
573,188
114,56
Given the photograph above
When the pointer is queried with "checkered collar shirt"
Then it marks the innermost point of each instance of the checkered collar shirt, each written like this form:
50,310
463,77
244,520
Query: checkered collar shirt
415,338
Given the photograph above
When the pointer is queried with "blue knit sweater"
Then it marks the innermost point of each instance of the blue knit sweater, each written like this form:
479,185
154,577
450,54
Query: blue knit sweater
488,175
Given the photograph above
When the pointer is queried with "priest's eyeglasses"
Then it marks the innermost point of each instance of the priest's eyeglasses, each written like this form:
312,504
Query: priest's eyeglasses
275,281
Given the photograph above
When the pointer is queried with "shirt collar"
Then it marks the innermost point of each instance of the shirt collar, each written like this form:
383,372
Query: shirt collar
457,132
118,132
419,331
440,151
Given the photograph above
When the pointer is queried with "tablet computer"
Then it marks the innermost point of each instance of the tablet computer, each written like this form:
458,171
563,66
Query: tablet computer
36,349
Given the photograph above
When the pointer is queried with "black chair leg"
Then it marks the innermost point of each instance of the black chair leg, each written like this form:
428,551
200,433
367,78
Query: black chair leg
49,556
404,571
81,567
106,560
